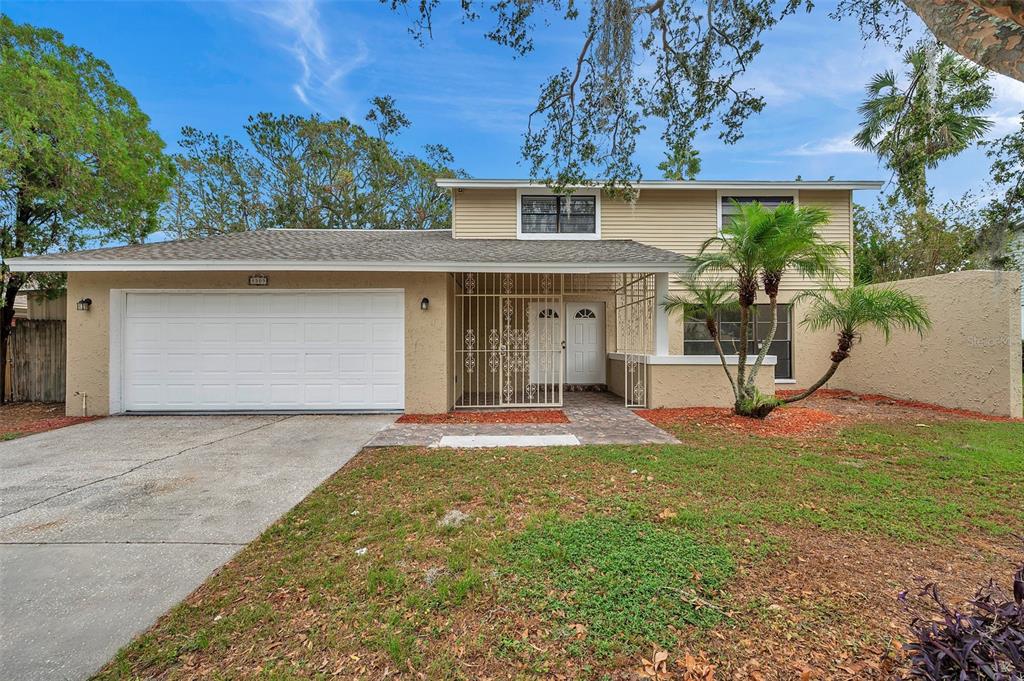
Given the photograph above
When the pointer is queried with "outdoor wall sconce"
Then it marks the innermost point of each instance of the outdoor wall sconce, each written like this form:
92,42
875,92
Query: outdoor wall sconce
425,303
84,304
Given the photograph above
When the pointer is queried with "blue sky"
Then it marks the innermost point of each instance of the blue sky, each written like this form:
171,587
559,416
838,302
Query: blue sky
211,64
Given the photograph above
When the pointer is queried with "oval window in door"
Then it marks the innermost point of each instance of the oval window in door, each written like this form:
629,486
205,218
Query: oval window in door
585,313
548,313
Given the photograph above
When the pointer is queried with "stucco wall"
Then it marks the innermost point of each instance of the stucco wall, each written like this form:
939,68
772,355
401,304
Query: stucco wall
427,356
686,385
971,358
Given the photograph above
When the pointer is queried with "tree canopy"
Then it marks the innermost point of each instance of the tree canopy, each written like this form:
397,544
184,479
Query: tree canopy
308,172
590,113
78,159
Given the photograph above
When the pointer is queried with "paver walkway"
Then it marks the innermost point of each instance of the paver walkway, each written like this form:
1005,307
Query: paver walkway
595,418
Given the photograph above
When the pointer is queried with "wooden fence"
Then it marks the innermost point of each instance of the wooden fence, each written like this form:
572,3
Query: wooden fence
38,360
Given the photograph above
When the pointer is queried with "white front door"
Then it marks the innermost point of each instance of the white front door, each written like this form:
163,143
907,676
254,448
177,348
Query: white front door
584,343
267,350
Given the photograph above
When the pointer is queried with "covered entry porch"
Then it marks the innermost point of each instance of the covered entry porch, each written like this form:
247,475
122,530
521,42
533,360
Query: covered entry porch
527,339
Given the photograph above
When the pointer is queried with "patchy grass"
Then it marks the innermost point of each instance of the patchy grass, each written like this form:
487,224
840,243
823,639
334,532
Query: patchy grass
774,556
614,584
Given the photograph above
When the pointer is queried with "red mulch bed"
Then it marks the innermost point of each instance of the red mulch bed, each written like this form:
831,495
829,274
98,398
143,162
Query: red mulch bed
783,421
524,416
885,400
26,418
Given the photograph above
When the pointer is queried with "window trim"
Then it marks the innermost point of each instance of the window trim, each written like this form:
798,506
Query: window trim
725,193
557,236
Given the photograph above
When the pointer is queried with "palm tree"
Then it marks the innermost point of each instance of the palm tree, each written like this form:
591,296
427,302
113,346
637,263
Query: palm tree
756,248
849,311
934,117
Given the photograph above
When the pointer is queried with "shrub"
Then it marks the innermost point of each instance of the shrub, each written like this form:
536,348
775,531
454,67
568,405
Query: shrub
984,640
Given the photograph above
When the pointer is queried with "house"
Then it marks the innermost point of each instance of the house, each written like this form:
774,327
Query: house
527,296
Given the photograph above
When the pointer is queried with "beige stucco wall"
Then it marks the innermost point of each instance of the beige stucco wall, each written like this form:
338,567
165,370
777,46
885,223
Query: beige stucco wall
427,356
686,385
971,358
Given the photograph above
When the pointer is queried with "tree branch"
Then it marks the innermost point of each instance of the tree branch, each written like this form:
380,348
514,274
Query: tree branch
989,33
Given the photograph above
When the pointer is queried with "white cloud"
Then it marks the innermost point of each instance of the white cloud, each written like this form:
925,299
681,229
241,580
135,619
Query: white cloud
321,72
841,144
1007,104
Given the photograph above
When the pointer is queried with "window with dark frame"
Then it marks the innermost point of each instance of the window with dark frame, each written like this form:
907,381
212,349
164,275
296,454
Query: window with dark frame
697,340
730,209
558,214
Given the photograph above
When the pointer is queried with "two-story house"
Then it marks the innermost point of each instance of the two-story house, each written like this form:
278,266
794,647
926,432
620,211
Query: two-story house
527,296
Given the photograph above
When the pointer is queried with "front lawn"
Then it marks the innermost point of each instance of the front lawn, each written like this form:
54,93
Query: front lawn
769,557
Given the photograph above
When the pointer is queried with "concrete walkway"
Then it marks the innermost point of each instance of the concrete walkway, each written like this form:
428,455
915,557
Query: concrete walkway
106,525
595,418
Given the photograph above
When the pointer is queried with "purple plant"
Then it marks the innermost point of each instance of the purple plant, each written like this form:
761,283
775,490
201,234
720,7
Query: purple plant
983,640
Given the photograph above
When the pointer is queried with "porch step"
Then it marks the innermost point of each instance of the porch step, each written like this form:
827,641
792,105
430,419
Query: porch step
467,441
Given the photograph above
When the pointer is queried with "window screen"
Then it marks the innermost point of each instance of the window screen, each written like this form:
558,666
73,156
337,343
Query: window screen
729,209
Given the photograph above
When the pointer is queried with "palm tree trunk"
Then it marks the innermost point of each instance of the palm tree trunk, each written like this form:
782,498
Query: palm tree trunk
841,352
773,305
741,352
725,366
817,384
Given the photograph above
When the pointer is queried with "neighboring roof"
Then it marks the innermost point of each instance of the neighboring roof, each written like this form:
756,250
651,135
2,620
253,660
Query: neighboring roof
463,183
363,250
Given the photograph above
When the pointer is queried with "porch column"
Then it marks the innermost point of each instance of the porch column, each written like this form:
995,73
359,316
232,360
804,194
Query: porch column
660,316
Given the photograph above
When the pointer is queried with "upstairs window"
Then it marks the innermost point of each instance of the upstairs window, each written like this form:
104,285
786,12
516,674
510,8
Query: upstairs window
729,209
549,214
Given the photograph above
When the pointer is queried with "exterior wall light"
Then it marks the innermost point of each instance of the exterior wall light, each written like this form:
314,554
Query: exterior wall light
425,303
84,304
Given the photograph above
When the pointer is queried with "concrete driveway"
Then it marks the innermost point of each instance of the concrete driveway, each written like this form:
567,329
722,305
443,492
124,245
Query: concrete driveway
106,525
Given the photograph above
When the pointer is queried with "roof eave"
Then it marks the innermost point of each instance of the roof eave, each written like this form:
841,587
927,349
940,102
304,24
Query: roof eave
460,183
70,265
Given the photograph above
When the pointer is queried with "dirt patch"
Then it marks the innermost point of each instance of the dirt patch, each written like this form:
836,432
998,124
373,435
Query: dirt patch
25,418
886,408
785,421
828,608
521,416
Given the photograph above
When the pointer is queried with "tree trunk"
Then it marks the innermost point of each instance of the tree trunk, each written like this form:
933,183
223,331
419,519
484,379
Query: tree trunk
773,305
841,352
988,32
725,366
14,284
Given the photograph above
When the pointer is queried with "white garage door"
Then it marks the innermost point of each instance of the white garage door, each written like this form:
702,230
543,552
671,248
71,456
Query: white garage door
264,351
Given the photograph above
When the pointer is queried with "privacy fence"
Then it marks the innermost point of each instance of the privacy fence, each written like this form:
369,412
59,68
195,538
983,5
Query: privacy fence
38,360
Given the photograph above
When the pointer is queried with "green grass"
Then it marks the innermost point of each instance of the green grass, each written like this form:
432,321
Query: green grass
627,582
567,536
9,436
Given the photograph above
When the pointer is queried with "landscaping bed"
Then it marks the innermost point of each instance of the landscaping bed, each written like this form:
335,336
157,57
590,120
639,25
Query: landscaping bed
763,557
517,416
25,418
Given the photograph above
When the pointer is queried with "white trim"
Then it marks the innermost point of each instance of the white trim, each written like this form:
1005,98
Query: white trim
660,314
79,265
115,369
721,193
770,185
118,319
697,360
544,191
785,380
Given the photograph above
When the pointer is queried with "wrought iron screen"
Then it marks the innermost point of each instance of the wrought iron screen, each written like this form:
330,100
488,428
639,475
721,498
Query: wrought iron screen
508,339
634,319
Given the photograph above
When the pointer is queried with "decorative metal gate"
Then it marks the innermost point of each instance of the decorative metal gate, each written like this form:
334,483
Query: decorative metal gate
634,319
508,340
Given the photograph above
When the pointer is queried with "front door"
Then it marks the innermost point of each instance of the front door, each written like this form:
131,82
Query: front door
584,343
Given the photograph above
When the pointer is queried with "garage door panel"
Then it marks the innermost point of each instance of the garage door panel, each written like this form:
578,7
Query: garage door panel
267,350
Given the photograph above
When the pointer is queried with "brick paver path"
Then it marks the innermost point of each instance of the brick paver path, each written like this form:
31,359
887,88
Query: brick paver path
595,418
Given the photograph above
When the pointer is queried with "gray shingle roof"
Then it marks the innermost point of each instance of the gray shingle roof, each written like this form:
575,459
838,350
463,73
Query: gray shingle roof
390,249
